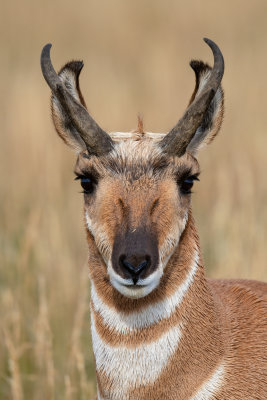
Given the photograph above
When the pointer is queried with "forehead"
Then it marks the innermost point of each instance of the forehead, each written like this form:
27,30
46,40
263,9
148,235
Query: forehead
133,158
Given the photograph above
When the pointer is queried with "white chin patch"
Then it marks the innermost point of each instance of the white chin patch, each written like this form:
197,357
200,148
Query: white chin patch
142,288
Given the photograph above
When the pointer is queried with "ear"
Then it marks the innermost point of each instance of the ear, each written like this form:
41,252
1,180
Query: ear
213,117
69,76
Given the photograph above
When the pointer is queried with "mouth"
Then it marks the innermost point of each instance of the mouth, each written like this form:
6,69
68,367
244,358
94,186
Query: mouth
132,291
135,286
131,283
135,290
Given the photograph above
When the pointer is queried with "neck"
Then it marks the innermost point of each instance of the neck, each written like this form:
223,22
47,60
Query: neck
175,329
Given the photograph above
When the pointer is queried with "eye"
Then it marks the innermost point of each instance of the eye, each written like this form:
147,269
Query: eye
88,183
186,184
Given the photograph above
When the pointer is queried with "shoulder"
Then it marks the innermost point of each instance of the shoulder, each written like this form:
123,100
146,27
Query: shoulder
239,286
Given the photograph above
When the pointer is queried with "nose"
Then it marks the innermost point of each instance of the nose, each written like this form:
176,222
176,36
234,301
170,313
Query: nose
134,265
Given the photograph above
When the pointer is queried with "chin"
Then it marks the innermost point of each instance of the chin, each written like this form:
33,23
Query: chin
141,289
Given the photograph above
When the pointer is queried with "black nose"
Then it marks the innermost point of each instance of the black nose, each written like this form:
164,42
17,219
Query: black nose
134,266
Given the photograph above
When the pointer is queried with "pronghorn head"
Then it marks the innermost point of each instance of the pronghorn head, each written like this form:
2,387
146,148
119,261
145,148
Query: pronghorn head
136,186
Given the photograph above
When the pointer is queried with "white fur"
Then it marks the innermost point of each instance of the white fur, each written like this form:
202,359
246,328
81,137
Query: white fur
141,289
129,367
69,77
211,387
119,136
203,80
152,314
134,150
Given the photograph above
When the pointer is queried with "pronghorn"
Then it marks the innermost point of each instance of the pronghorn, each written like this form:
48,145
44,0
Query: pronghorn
160,328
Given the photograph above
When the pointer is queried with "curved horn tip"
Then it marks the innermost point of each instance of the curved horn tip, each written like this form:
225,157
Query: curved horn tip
45,55
214,47
217,54
46,50
210,42
48,70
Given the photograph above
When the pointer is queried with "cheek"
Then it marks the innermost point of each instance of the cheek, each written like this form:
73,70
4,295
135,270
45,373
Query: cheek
170,226
101,221
101,233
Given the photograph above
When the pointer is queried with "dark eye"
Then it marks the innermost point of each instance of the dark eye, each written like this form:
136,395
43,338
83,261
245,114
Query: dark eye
87,183
187,184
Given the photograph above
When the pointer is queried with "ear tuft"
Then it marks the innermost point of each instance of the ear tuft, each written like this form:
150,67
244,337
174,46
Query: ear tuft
198,66
74,66
213,117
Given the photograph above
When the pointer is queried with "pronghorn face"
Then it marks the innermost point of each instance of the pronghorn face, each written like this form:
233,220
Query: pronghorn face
136,205
136,191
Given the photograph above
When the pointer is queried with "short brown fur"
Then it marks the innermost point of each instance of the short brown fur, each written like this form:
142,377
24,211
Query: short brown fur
219,350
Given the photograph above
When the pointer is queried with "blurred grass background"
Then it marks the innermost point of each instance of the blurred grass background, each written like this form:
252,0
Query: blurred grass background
136,56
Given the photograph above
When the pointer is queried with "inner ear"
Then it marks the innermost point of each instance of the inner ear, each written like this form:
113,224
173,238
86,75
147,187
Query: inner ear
213,117
69,75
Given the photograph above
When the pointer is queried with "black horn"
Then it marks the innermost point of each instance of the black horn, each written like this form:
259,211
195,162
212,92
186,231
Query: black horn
97,141
177,140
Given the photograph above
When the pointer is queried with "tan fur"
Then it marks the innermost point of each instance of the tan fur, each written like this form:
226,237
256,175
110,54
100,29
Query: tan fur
224,322
188,337
140,127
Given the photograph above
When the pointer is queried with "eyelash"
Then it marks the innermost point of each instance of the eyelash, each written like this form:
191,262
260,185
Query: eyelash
186,183
88,183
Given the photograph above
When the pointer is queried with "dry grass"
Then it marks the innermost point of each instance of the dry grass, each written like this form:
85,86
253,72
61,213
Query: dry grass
136,60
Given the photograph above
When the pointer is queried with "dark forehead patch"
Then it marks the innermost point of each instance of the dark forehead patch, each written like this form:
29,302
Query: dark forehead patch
133,169
132,162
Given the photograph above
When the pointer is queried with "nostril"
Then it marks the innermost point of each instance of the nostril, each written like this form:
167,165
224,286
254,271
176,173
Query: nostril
129,266
122,261
135,268
126,264
141,266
